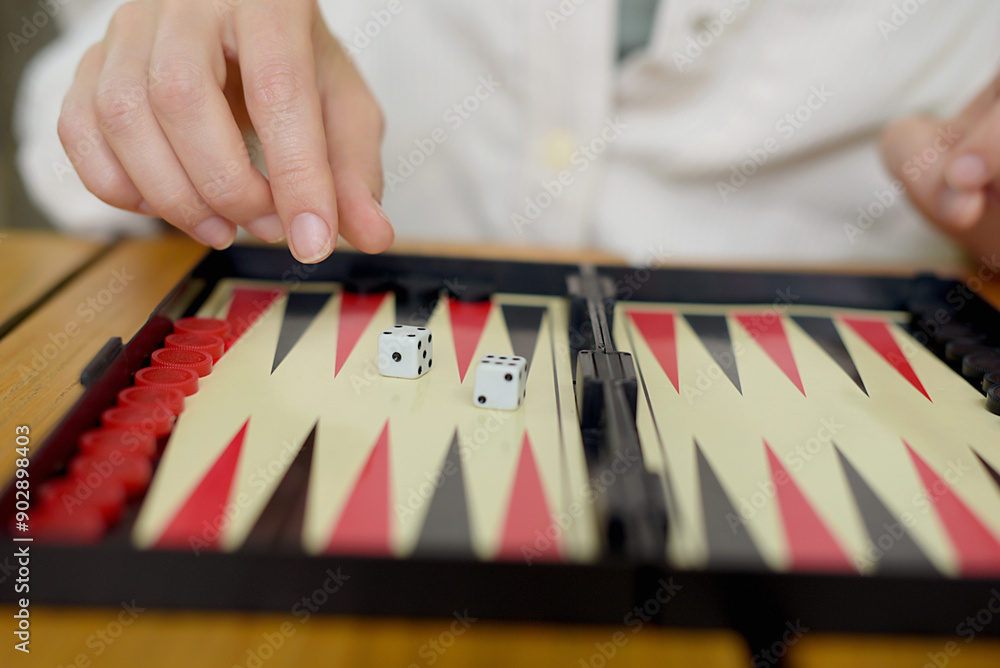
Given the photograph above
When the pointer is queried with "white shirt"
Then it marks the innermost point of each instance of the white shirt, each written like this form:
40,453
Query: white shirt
746,130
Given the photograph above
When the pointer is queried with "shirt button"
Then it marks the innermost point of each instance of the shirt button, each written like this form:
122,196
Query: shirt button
557,148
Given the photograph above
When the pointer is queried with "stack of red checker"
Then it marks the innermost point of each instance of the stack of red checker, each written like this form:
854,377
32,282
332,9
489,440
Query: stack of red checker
114,463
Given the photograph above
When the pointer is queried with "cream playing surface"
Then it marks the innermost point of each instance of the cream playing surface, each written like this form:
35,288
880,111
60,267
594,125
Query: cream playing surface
913,431
792,438
384,442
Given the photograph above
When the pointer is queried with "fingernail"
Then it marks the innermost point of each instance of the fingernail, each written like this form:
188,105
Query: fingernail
144,207
958,209
267,228
381,212
967,172
309,237
215,232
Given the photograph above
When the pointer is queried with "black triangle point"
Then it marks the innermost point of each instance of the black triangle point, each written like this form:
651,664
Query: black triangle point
523,325
300,312
729,542
281,522
989,469
446,528
891,547
713,330
824,332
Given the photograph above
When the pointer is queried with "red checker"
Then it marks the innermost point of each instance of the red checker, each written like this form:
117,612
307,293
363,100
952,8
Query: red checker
184,358
72,493
129,442
207,343
140,417
184,380
169,399
132,472
195,325
55,524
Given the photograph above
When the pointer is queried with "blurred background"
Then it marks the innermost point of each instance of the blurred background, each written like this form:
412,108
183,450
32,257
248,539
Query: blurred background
16,210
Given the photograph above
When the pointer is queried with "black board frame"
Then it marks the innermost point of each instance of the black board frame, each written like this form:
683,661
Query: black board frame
757,604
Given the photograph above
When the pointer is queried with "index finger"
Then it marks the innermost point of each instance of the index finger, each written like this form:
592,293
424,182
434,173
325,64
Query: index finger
275,47
977,156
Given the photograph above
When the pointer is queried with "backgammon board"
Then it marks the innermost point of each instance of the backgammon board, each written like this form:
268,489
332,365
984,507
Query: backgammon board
695,448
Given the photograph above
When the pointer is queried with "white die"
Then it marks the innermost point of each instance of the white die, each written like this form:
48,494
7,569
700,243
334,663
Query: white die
500,382
405,352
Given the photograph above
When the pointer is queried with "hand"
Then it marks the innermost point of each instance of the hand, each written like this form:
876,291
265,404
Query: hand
951,170
162,102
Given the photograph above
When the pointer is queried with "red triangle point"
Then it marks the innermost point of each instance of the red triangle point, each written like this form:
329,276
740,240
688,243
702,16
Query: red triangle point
877,334
812,545
364,524
769,333
528,527
977,547
356,312
196,524
659,331
468,320
246,307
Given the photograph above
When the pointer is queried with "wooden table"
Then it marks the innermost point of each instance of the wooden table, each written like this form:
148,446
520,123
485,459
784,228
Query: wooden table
62,299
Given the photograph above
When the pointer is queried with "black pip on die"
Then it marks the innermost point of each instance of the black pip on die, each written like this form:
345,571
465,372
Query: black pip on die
500,382
405,352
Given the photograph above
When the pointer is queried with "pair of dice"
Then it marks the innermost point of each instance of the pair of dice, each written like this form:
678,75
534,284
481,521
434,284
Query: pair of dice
408,352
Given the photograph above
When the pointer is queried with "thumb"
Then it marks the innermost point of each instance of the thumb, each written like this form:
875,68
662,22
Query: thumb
916,151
